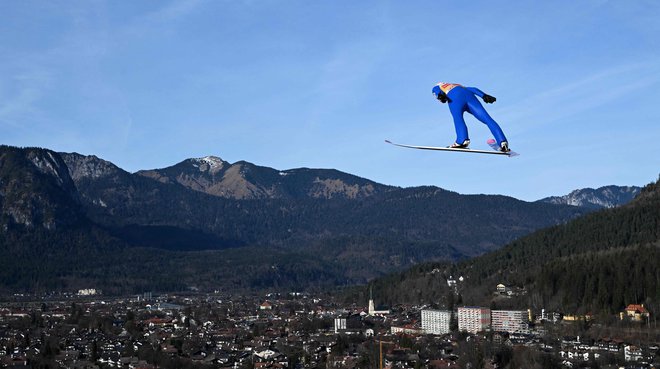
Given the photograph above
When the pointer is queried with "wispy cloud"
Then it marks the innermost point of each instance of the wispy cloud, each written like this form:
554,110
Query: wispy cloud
161,17
19,94
600,88
174,10
49,95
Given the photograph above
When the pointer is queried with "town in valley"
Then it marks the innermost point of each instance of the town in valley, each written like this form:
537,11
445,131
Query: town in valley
302,330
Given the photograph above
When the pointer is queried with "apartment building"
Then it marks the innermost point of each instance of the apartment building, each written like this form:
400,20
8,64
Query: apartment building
436,321
473,319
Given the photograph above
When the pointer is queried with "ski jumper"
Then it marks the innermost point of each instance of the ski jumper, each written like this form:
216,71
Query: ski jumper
462,99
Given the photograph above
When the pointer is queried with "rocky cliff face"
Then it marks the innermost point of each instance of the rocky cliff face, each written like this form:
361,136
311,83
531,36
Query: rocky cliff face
603,197
81,166
36,190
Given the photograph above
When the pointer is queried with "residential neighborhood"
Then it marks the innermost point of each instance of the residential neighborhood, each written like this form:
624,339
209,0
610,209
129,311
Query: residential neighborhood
292,330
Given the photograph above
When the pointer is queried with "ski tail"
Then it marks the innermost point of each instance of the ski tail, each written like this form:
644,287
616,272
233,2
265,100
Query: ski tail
493,144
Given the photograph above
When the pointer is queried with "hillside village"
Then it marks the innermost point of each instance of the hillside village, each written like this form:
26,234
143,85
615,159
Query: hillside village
302,331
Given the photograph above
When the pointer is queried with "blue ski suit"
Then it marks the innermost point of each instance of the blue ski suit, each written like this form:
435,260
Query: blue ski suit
462,99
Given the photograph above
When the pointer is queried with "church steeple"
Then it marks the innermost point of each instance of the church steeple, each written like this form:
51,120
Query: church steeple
372,308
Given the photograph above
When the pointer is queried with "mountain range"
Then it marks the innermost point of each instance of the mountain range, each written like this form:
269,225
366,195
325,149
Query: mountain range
243,180
71,220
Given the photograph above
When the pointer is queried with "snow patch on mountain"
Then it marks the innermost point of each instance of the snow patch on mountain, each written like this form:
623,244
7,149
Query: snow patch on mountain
211,164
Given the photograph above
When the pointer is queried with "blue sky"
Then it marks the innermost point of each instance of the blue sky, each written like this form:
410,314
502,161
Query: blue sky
321,84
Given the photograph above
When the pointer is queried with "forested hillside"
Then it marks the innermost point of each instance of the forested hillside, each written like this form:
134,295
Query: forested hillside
597,263
600,262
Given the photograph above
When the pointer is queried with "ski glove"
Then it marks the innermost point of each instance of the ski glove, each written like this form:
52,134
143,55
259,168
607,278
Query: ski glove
443,98
489,99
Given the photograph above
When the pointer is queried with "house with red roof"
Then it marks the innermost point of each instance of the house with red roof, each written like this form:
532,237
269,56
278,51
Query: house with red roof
635,312
266,306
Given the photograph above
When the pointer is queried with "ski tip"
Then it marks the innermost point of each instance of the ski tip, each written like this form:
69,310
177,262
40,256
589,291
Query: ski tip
388,141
